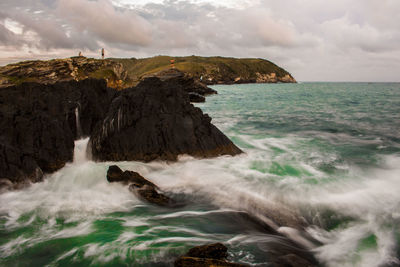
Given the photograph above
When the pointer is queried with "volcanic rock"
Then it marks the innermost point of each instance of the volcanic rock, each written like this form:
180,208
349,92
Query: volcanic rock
155,120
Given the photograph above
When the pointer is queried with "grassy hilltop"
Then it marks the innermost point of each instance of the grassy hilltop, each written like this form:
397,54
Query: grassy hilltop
213,69
124,72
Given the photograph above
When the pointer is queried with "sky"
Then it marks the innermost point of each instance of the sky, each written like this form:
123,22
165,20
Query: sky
315,40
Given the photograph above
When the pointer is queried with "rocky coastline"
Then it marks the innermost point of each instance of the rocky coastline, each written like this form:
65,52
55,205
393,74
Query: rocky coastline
125,73
153,120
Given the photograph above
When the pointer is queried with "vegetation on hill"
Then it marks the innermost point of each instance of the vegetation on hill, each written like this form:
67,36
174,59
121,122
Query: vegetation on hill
125,72
211,69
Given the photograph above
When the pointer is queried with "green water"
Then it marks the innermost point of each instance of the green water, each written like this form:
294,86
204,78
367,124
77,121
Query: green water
320,157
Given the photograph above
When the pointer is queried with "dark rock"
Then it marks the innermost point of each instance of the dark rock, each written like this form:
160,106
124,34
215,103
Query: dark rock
39,125
139,185
195,97
206,255
150,194
155,120
288,253
115,174
201,262
188,84
292,260
199,87
213,251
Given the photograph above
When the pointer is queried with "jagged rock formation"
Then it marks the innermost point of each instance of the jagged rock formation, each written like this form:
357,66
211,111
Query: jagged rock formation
155,120
139,185
189,84
196,90
40,123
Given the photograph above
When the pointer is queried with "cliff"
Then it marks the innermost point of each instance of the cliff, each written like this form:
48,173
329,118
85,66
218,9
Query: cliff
124,73
153,120
40,123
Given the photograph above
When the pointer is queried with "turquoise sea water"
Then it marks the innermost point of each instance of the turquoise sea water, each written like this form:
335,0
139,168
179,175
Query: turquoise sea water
322,158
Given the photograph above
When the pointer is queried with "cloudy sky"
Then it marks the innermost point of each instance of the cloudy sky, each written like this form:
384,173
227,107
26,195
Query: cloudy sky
315,40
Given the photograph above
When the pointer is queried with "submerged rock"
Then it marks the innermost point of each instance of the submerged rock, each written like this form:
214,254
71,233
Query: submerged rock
150,194
201,262
292,260
213,251
155,120
115,174
139,185
206,255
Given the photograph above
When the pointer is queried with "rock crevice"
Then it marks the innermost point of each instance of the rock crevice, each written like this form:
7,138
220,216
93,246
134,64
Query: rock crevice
155,120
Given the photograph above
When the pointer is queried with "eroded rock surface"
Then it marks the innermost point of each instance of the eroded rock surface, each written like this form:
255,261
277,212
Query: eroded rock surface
142,187
196,89
155,120
40,123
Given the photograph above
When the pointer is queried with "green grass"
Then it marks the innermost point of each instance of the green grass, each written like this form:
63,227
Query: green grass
215,69
195,66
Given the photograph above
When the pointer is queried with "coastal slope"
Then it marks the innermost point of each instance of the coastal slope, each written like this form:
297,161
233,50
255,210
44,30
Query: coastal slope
124,73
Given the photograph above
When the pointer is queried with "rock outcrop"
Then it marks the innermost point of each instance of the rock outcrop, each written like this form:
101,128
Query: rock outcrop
142,187
115,174
57,70
206,256
40,123
155,120
196,89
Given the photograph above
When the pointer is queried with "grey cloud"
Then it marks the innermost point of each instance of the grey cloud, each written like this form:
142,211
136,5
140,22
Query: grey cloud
7,37
347,35
104,21
329,40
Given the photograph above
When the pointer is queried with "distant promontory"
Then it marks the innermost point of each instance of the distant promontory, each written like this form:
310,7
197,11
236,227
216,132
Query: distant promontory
122,73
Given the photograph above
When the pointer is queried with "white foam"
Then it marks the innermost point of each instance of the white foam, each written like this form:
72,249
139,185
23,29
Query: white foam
80,151
80,192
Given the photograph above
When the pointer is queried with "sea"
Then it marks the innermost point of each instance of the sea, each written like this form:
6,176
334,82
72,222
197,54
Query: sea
321,167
